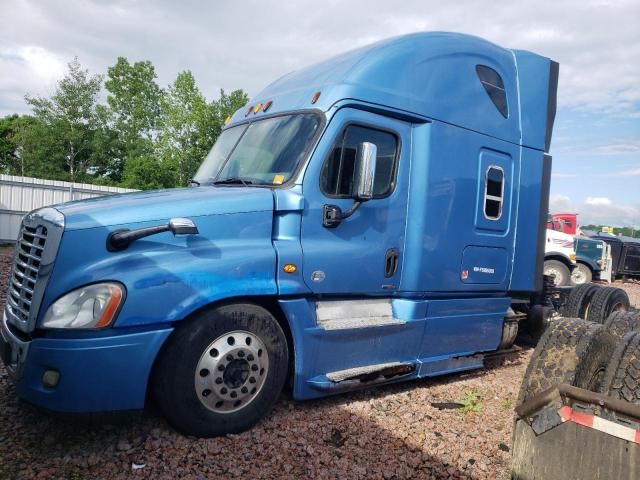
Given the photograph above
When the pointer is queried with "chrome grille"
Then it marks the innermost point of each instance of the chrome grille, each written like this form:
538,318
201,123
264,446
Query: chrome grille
29,250
36,251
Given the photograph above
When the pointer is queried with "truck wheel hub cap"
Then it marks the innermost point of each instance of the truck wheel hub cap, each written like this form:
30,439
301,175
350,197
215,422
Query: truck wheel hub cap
578,276
231,371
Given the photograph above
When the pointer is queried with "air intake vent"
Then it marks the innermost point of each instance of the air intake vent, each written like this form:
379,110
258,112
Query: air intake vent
28,259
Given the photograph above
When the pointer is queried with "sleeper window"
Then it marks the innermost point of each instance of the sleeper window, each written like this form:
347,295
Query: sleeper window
494,86
338,172
494,193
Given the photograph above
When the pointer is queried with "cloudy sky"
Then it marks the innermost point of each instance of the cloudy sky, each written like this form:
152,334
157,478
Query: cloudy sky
246,44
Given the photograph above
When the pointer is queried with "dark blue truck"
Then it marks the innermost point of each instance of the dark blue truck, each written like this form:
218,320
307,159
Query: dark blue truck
374,218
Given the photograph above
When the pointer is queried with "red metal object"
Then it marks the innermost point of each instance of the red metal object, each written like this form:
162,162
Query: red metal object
565,222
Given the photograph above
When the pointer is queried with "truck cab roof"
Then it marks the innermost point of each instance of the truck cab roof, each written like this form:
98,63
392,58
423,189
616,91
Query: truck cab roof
451,77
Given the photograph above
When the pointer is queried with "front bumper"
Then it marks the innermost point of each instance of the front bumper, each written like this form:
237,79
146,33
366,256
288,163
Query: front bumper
95,374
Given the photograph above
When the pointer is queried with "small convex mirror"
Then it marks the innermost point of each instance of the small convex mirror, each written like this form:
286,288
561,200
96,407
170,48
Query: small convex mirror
365,171
182,226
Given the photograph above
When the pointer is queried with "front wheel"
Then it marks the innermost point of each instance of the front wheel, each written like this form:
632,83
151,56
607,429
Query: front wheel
581,274
558,271
222,371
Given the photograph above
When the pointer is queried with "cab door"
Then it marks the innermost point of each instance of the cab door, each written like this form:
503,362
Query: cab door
363,254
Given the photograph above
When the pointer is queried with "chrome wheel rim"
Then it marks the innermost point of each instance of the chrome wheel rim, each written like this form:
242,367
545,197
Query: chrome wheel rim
578,276
556,274
231,371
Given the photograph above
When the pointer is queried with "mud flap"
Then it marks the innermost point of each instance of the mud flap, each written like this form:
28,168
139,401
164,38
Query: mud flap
574,434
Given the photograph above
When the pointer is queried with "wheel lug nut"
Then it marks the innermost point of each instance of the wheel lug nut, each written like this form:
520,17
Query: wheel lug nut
244,390
221,368
250,357
252,380
223,390
229,358
234,394
254,367
219,380
241,353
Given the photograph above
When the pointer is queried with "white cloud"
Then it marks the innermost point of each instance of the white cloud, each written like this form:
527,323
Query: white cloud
30,69
613,146
559,203
248,44
597,201
634,172
631,146
598,211
564,175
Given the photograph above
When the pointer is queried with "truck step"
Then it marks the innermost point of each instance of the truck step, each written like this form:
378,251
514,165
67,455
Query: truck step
348,314
371,372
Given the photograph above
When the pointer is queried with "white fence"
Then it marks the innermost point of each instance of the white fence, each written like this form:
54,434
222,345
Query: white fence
20,195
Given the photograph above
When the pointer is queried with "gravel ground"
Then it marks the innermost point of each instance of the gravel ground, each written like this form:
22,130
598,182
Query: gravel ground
632,288
385,433
398,431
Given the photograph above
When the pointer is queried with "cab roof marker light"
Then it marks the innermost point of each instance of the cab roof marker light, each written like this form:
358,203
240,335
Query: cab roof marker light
315,97
267,105
257,108
227,120
249,110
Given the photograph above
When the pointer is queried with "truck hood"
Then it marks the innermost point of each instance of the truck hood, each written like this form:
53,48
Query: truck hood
160,205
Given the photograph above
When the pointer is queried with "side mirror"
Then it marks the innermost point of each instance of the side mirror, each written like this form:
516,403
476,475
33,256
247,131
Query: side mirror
182,226
364,179
365,171
121,239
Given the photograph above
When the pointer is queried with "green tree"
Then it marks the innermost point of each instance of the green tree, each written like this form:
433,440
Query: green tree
146,172
185,125
134,103
225,106
107,154
9,148
66,122
40,150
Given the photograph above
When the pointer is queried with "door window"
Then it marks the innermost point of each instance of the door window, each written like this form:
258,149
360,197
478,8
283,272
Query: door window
337,177
494,192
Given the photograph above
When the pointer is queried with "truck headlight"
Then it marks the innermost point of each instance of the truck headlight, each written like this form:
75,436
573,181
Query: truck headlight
93,306
572,257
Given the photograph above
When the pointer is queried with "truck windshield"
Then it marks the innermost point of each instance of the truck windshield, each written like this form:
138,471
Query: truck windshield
264,152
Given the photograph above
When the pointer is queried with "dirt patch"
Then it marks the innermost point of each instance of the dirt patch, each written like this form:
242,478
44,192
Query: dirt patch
632,287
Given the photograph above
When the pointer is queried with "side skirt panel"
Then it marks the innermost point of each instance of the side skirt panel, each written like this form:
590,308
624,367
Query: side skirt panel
428,338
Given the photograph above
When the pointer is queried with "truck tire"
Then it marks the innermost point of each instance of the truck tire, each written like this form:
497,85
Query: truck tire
222,371
622,377
606,301
581,275
620,323
571,351
558,270
577,305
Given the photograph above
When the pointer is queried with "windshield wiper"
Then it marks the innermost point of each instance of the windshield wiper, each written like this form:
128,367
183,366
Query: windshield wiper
233,180
194,182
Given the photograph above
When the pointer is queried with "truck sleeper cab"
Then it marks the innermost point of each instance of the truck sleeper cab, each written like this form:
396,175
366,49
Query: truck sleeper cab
377,217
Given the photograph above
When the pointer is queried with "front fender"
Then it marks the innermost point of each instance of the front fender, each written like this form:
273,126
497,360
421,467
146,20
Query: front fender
589,262
168,277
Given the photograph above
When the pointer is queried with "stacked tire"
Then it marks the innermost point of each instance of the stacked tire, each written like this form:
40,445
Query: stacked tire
622,376
600,357
571,351
594,303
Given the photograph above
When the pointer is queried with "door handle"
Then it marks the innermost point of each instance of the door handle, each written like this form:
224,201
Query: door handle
391,262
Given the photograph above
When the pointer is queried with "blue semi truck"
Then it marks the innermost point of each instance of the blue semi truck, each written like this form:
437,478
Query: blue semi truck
374,218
